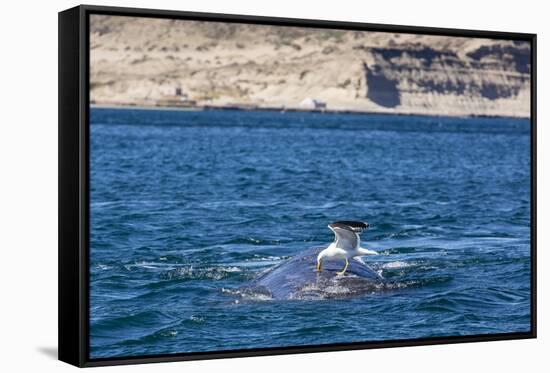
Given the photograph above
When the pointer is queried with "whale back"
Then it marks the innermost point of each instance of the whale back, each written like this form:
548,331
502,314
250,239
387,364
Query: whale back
297,278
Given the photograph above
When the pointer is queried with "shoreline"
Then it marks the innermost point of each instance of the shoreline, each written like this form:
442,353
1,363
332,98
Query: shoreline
293,110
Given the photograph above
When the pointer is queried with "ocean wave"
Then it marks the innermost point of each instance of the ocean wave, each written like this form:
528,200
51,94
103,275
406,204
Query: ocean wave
248,240
197,319
159,335
461,302
248,294
201,273
137,320
247,258
145,265
417,283
103,267
397,264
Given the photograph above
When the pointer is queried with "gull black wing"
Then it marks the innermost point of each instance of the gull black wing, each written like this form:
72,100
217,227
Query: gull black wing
350,225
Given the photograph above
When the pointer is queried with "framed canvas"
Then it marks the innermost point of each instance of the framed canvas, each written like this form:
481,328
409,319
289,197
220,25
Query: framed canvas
236,186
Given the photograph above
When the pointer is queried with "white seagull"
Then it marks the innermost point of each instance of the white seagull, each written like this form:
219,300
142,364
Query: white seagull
346,243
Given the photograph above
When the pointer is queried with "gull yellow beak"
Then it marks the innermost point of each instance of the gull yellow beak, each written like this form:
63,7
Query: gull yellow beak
318,266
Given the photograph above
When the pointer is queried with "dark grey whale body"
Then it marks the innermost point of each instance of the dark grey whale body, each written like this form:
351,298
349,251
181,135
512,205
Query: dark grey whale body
297,278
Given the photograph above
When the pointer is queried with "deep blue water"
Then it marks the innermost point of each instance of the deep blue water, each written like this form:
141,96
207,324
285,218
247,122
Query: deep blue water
186,207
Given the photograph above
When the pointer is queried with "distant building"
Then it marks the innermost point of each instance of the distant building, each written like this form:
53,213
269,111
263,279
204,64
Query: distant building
182,95
174,96
311,103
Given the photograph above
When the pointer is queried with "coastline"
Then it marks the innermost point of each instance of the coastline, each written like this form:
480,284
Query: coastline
296,110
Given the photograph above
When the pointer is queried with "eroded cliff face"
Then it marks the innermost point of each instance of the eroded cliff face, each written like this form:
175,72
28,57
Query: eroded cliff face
142,61
484,80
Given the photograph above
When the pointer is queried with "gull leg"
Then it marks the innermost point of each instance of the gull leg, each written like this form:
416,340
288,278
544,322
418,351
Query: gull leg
344,270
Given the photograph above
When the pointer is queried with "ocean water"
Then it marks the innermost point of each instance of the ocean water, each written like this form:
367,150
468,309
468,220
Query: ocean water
187,207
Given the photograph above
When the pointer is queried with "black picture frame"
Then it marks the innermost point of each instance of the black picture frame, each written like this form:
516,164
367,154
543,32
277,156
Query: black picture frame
74,197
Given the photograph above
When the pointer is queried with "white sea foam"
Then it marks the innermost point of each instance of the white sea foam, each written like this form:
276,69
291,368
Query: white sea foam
232,269
337,290
169,333
147,265
310,287
268,258
247,295
196,319
397,264
191,272
258,297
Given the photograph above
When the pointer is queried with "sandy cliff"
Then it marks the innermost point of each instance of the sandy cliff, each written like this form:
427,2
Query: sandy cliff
144,61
